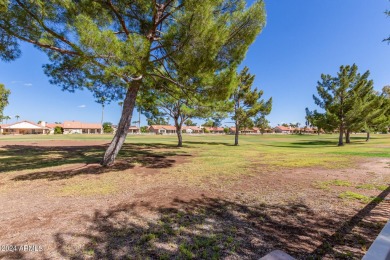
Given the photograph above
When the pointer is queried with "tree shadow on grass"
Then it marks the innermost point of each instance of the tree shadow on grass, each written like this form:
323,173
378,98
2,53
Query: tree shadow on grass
311,144
343,236
212,228
20,157
205,228
208,143
305,144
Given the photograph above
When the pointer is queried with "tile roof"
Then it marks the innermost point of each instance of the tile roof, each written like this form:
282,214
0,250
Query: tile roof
233,129
214,128
166,127
80,125
195,128
24,121
53,125
285,128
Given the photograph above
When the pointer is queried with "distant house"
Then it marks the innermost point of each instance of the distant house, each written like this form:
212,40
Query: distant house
133,130
309,130
24,127
254,130
191,130
284,129
214,130
76,127
162,129
52,126
269,130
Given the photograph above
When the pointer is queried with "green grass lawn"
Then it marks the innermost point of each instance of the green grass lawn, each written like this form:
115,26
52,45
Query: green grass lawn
217,152
285,190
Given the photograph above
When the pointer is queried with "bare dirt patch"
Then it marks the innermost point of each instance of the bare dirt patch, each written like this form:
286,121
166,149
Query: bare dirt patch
63,200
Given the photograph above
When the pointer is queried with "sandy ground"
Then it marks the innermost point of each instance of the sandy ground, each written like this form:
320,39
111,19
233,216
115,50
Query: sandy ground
264,211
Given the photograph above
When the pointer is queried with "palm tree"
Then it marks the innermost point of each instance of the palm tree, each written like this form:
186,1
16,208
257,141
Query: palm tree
102,100
6,118
17,118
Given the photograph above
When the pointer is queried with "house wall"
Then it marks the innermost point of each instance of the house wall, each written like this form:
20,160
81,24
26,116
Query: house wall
24,131
72,131
82,131
24,125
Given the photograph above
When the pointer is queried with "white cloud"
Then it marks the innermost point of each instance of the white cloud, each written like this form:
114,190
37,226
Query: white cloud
82,106
28,84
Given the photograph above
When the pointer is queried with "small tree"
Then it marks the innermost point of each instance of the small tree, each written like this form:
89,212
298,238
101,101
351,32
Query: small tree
58,130
340,98
144,129
4,94
107,128
189,122
379,117
262,123
6,118
219,114
208,123
156,120
247,102
320,121
176,106
17,118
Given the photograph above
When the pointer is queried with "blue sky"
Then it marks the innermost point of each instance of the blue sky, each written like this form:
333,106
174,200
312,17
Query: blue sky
302,39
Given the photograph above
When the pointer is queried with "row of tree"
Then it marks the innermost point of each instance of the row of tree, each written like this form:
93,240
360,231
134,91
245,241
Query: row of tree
350,104
6,118
244,105
141,51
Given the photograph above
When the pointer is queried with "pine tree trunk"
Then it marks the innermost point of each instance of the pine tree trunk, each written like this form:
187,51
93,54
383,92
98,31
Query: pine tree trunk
348,137
341,143
179,133
368,137
102,129
236,135
123,126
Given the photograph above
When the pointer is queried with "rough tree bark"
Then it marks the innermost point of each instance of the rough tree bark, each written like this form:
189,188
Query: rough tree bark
341,124
236,135
341,141
348,137
123,126
368,137
179,133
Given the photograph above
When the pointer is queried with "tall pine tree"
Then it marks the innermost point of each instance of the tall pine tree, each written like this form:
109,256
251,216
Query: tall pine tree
345,99
247,102
118,47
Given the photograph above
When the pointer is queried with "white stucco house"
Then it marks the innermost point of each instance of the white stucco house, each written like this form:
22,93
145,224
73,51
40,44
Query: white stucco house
77,127
24,127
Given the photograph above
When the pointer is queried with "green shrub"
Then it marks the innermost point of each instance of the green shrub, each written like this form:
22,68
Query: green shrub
58,130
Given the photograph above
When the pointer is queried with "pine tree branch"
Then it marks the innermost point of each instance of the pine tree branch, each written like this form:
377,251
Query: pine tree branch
46,46
47,29
119,17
